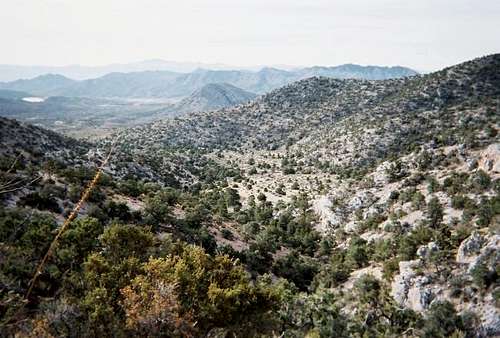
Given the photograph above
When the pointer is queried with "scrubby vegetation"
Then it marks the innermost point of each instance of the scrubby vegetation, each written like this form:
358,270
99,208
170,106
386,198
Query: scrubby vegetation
327,208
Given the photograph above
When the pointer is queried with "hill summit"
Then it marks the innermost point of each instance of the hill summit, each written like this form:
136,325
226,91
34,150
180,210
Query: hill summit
214,96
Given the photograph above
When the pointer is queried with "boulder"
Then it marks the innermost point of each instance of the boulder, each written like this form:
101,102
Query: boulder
425,251
361,200
419,295
490,159
372,211
380,176
489,255
471,164
414,291
402,282
469,248
462,149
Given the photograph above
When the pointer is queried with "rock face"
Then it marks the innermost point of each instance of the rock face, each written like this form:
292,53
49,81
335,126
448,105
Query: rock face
401,283
490,317
469,248
417,292
328,219
411,290
490,159
489,255
361,200
477,249
403,290
420,294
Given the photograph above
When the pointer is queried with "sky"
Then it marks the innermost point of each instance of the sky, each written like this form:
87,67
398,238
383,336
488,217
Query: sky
422,34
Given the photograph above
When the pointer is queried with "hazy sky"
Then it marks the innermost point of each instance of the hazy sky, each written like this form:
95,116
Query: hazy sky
424,34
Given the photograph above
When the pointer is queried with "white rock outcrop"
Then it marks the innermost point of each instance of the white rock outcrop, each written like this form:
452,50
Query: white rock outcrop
380,174
488,314
470,248
362,199
489,255
490,159
414,291
327,217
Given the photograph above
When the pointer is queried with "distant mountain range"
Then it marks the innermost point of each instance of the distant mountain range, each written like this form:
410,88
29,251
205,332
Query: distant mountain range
168,84
78,72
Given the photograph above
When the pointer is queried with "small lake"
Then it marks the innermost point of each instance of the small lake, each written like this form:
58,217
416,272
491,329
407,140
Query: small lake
33,99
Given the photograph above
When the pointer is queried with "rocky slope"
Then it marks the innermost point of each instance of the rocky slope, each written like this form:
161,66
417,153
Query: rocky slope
20,139
406,163
368,119
368,208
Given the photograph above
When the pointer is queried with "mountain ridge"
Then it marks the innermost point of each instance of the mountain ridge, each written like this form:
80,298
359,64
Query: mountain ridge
170,84
80,72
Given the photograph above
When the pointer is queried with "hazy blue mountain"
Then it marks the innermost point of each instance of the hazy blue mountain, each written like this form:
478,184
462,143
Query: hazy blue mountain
257,82
13,94
138,84
77,72
43,85
166,84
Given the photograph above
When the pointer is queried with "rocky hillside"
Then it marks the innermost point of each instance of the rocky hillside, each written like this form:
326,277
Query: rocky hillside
369,119
326,208
18,139
165,84
29,146
406,167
